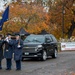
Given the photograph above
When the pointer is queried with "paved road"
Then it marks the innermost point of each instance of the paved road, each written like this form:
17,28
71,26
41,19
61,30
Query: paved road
63,65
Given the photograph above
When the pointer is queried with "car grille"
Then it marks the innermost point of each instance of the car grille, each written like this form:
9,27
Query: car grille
29,49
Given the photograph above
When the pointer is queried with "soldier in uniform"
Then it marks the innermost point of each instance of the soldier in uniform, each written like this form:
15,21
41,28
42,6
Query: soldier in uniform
1,51
18,45
8,51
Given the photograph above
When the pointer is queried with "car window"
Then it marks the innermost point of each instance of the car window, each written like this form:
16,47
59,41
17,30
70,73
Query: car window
47,39
54,39
36,38
50,38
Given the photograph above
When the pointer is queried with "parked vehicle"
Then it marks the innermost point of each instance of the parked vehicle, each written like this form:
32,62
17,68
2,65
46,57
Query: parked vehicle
40,46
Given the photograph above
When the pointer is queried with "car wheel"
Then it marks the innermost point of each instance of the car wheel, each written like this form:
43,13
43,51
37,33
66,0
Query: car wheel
44,55
55,54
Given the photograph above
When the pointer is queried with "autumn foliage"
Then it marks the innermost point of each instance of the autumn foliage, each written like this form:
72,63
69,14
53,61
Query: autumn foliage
33,19
30,17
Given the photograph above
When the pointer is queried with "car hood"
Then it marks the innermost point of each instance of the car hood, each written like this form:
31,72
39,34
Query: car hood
31,44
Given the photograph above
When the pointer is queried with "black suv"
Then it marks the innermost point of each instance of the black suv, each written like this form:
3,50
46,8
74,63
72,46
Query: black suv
40,46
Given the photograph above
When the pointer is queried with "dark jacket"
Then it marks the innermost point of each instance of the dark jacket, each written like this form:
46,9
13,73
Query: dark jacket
18,51
1,50
8,51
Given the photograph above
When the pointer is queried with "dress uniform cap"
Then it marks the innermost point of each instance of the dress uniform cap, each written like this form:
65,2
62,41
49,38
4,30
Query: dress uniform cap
17,34
8,34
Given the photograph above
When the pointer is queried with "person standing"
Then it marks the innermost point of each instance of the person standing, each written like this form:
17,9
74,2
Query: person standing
18,45
1,51
8,51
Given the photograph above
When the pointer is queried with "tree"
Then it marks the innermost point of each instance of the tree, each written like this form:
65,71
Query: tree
33,19
29,16
69,16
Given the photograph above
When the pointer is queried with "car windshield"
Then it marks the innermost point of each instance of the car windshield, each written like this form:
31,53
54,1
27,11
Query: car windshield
36,38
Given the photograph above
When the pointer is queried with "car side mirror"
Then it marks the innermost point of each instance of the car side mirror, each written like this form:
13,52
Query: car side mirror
48,41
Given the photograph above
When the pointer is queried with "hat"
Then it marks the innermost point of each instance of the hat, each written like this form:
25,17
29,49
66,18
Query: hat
17,34
8,34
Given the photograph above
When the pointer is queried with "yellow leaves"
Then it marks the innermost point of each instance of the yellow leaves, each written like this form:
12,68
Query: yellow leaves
33,29
32,18
56,17
43,25
36,28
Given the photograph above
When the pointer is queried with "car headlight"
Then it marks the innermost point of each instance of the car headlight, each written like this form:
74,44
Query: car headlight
38,48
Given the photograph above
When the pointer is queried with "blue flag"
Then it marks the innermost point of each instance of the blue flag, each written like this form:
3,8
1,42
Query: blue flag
4,18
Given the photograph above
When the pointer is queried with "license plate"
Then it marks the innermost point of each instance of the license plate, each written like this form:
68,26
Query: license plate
27,53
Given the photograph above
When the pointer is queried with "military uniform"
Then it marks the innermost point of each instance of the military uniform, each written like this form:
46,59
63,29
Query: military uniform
18,45
8,51
1,52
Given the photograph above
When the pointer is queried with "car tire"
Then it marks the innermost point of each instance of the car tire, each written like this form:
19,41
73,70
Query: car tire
55,54
44,56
